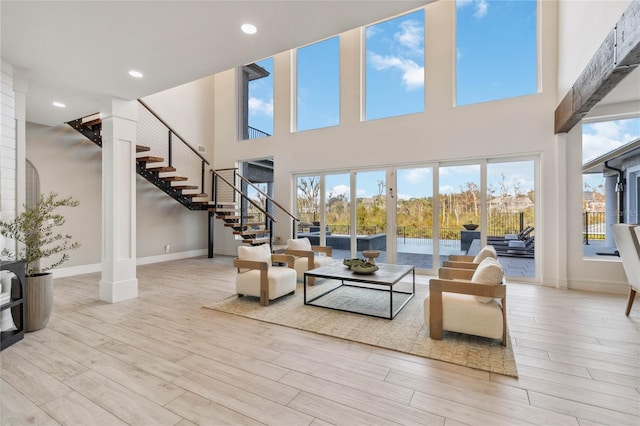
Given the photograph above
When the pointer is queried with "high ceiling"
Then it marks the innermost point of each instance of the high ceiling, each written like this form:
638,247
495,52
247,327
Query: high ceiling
80,52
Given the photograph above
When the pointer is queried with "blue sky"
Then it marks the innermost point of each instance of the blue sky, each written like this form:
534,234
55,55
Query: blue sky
496,58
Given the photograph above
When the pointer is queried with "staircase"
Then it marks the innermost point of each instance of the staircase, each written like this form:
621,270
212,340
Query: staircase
163,152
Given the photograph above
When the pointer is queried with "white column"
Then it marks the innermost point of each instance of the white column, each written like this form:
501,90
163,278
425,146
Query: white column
119,281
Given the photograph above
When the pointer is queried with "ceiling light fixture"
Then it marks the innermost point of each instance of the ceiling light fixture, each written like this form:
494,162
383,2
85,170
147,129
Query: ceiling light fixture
248,28
59,105
136,74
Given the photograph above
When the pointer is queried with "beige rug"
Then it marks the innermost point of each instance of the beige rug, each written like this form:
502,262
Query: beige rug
405,333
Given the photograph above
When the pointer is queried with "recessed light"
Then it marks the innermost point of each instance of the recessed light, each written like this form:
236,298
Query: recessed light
59,105
136,74
248,28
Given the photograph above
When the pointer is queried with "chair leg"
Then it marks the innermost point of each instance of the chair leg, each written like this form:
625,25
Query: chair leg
632,296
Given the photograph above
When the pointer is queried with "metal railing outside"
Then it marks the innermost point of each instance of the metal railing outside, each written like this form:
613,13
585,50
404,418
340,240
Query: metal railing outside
254,133
594,226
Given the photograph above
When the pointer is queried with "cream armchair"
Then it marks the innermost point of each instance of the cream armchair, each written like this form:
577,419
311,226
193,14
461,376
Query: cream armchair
627,238
470,262
467,301
307,257
258,277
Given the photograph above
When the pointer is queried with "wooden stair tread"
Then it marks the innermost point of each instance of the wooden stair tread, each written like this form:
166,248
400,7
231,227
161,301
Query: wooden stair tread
142,148
182,187
257,241
238,225
199,195
149,159
224,210
252,232
174,178
233,217
161,169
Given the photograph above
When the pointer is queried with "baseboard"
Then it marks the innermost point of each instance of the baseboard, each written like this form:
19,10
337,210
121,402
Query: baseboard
171,256
97,267
600,286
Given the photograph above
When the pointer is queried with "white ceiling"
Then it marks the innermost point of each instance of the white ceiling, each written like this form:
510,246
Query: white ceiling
79,52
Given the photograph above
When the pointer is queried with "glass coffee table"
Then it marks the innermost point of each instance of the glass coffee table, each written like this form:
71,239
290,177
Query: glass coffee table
360,293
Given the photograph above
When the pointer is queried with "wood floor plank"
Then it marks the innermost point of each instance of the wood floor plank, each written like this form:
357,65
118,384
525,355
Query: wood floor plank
202,411
30,380
244,402
583,410
334,413
50,361
120,401
266,388
139,381
18,410
74,348
75,409
378,406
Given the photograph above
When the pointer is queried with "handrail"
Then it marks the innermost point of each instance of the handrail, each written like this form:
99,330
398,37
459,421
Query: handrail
244,195
173,131
268,197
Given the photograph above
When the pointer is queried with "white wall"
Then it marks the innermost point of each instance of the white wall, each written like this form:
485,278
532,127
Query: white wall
582,28
516,126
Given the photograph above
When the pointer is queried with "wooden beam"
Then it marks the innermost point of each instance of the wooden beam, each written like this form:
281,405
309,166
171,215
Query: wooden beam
616,57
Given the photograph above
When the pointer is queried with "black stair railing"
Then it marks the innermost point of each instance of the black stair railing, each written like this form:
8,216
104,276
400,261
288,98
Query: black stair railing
226,191
188,154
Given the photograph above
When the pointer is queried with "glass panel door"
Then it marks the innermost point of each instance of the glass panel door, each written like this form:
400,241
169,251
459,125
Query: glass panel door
460,204
371,213
337,210
414,217
511,215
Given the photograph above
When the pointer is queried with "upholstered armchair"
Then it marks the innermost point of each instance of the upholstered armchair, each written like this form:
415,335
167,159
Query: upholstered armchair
307,257
468,301
627,239
258,277
470,262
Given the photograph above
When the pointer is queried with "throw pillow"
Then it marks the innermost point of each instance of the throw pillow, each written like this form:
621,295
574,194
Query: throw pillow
487,251
489,271
299,244
260,253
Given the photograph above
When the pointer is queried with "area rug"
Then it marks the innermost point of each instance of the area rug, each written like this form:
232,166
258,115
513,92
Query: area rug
405,333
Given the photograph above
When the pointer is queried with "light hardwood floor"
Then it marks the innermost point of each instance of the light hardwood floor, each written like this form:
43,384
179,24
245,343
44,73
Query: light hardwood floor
163,359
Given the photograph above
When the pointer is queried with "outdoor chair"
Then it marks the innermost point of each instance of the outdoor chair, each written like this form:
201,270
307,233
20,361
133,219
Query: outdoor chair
258,277
469,302
627,238
307,257
470,262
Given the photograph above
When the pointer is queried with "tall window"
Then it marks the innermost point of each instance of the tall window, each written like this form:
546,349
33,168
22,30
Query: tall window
609,181
395,67
496,50
257,100
319,85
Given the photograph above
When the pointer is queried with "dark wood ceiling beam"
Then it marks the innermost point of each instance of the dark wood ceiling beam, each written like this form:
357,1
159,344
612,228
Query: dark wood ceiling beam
616,57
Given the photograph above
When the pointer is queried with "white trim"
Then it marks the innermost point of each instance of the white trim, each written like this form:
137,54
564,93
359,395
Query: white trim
97,267
599,286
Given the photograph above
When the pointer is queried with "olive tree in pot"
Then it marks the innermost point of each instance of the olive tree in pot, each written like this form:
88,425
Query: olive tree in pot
33,230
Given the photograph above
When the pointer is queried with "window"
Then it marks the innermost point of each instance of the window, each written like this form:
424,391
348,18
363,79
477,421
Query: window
395,67
318,79
257,100
609,166
496,50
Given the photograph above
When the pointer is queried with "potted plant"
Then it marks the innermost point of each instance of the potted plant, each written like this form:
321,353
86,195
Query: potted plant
33,230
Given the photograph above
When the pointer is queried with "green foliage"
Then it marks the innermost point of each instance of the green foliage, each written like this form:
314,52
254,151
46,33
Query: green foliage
34,228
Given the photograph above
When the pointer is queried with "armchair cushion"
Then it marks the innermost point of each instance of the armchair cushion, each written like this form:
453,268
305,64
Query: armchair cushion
488,271
260,253
299,244
281,281
486,251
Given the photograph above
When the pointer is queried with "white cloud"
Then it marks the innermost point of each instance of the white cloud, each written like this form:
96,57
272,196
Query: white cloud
412,73
411,36
416,175
339,190
481,8
600,138
405,196
373,31
260,106
448,189
361,193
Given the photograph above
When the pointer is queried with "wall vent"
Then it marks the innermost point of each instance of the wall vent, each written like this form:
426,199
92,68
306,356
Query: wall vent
201,149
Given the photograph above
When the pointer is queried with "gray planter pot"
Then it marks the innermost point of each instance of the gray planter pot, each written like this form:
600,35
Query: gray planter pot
38,301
